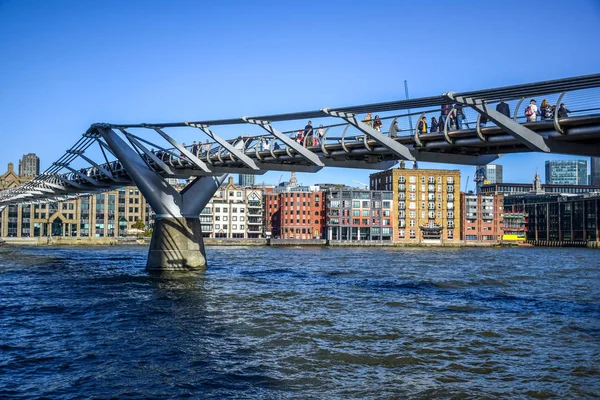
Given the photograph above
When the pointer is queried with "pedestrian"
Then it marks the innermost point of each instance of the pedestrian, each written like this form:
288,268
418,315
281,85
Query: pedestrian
434,125
276,146
368,120
563,112
377,123
195,148
451,122
308,134
299,137
459,116
422,127
546,110
531,111
206,148
444,114
181,154
503,109
266,145
394,129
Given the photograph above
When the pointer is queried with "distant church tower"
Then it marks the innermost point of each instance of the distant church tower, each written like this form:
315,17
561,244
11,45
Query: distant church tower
293,180
537,184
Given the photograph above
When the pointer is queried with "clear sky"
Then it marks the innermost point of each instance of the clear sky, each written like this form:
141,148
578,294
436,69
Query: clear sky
67,64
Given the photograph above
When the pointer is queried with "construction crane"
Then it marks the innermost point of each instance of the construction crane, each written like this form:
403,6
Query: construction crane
279,181
360,183
409,112
467,184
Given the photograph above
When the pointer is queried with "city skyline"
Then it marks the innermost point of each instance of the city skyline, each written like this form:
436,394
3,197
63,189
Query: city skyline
51,68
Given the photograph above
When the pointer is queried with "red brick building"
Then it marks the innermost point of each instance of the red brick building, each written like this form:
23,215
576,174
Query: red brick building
296,213
481,217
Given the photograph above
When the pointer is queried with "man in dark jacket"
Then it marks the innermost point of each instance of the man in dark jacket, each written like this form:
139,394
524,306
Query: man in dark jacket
503,108
563,112
308,134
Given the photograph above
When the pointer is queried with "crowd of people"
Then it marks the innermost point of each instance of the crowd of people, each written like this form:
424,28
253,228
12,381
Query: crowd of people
309,136
456,117
546,111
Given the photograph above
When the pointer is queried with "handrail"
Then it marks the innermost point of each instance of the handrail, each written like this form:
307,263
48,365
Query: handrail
417,133
446,123
556,108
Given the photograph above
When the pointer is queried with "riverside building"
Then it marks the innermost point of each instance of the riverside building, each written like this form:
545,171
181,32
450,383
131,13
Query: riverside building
357,214
108,214
427,204
558,218
537,187
233,212
566,172
295,212
481,217
29,166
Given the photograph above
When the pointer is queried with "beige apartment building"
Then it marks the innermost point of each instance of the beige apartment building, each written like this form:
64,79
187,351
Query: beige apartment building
427,204
107,214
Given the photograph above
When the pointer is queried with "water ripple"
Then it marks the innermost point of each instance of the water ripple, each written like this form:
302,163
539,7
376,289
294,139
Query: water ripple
301,322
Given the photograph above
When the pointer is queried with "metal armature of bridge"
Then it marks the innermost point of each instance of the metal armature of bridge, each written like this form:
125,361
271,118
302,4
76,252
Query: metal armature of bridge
115,155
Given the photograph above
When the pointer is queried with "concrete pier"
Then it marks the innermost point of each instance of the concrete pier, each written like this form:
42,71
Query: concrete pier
176,245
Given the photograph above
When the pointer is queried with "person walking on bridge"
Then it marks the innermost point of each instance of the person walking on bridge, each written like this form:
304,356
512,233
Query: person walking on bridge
503,109
308,134
563,112
377,123
434,126
422,127
367,120
547,110
532,112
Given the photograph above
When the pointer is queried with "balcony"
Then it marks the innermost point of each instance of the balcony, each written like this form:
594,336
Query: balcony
255,221
254,229
401,187
254,204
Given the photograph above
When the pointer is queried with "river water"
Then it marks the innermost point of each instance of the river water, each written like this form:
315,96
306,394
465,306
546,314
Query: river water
301,323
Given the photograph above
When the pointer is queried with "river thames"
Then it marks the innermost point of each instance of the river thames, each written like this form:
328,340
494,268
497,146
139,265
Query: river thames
301,323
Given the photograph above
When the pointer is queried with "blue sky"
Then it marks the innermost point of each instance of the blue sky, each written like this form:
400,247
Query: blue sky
67,64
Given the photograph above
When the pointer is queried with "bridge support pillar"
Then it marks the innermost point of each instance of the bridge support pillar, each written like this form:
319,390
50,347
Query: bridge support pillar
177,243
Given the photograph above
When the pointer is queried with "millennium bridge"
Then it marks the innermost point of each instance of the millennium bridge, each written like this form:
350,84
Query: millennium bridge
108,155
